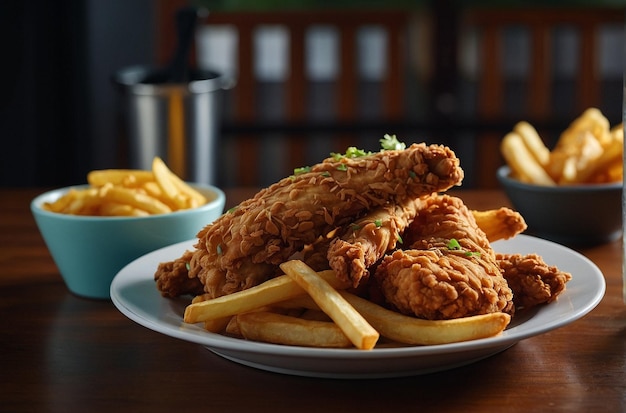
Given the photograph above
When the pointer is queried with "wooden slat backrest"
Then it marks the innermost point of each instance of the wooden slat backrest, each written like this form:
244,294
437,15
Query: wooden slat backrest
296,23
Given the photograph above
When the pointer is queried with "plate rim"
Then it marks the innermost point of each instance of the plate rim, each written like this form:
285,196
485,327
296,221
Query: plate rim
194,334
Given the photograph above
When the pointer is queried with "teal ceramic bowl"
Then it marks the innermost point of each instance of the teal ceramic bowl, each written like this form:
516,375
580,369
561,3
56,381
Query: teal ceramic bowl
574,215
89,251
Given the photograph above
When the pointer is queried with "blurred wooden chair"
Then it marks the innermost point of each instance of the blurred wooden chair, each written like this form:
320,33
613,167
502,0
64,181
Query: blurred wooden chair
471,123
297,122
246,131
538,104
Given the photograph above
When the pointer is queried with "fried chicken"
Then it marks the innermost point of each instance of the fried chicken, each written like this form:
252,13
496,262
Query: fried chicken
449,270
176,280
532,280
368,239
245,246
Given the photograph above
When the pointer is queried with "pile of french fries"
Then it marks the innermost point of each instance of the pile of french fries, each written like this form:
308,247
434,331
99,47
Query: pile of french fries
308,308
589,151
129,192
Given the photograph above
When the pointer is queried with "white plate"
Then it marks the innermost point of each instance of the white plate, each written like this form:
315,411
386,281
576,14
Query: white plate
134,293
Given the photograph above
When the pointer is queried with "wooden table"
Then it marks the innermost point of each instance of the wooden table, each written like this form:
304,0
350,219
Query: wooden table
62,353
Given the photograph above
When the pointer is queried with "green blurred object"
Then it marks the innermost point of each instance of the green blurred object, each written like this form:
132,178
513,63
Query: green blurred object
261,5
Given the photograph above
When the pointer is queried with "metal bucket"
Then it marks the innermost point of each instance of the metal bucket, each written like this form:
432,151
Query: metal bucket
178,122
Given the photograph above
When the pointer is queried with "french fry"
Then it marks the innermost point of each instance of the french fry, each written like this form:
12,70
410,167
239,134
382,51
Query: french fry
217,325
580,156
272,291
84,202
556,165
610,157
175,188
76,205
355,327
62,203
501,223
162,175
125,177
587,151
153,189
129,192
281,329
522,161
135,199
232,328
591,120
411,330
121,210
613,172
533,142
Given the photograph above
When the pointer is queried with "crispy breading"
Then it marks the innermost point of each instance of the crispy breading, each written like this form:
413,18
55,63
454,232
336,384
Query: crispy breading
177,281
532,280
449,270
245,246
368,239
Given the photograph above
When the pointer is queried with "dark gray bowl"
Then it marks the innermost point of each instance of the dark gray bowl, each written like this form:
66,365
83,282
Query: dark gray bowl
576,215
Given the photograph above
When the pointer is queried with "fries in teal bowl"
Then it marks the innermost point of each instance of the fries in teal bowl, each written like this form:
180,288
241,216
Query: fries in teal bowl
89,250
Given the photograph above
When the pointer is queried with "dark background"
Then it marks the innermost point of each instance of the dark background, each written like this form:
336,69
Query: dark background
58,114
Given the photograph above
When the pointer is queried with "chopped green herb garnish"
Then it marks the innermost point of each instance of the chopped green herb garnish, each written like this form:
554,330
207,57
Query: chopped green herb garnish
233,209
378,223
412,174
342,167
188,266
325,174
390,142
302,170
351,152
453,244
472,254
219,249
355,227
399,238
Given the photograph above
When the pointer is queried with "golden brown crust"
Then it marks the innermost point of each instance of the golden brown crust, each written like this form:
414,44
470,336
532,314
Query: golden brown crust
245,246
433,280
368,239
532,280
177,282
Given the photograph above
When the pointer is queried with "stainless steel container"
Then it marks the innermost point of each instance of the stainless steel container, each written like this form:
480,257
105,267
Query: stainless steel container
178,122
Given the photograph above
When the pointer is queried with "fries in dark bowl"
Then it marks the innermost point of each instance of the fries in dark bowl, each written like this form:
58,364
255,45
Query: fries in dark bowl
574,215
571,193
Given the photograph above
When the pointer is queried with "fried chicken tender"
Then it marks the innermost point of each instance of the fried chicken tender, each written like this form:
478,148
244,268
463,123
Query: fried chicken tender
436,279
175,279
368,239
365,241
244,247
532,280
